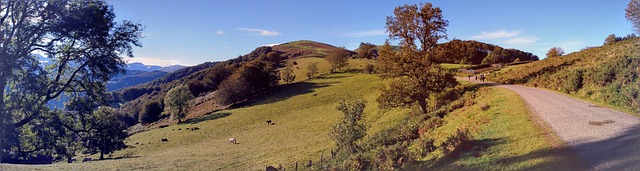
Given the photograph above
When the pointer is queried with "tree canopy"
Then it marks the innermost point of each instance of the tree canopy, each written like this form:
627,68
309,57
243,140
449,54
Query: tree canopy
415,76
82,42
177,102
633,14
338,59
555,52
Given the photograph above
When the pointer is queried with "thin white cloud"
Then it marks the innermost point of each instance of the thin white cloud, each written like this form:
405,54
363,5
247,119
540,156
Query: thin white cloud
497,34
153,61
367,33
271,45
522,40
220,32
262,32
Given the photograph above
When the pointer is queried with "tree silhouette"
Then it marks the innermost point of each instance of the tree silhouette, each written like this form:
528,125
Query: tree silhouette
633,14
84,44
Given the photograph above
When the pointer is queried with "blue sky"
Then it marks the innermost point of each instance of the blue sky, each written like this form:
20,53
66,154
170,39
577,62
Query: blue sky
196,31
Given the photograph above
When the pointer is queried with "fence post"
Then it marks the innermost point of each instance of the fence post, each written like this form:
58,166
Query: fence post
321,157
296,165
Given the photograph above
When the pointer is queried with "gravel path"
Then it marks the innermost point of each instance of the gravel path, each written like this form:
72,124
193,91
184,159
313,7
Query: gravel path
605,139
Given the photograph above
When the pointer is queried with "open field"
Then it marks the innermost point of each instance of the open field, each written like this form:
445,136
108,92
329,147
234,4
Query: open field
302,114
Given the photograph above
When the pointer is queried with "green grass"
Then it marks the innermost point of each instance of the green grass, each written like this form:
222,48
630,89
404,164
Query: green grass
301,70
504,137
303,114
453,66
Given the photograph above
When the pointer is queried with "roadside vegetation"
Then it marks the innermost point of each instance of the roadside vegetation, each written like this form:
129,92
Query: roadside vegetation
607,74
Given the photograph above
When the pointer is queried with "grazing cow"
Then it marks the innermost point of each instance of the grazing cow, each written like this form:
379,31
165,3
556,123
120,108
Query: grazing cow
87,159
269,122
271,168
164,140
195,128
71,160
233,140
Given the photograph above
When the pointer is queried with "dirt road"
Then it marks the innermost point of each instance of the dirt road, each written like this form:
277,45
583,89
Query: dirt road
605,139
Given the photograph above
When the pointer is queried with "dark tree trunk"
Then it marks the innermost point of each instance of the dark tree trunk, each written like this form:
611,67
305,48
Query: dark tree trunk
3,117
423,105
101,155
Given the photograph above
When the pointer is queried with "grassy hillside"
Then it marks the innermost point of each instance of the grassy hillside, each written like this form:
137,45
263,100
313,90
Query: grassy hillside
607,75
302,112
300,70
304,48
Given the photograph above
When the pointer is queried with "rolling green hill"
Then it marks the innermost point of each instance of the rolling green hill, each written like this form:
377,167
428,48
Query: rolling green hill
305,48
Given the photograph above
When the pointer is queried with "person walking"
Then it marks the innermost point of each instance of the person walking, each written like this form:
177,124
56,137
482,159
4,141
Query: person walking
482,77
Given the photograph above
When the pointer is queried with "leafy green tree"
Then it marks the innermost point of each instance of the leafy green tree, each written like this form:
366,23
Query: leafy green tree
287,74
177,102
633,14
312,69
338,59
107,132
351,127
150,112
555,52
85,45
414,76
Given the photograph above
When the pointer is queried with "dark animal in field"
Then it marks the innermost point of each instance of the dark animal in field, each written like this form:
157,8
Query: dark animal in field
195,128
165,140
271,168
87,159
269,122
163,126
72,160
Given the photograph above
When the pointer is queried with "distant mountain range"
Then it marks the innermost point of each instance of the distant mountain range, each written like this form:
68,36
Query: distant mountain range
142,67
133,77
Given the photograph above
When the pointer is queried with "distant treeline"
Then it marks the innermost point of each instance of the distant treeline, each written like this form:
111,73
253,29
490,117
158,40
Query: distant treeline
474,52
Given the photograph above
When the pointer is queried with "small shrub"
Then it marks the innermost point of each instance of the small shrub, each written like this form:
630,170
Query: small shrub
351,127
368,68
485,107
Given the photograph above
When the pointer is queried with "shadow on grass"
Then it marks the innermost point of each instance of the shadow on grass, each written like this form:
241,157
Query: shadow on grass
474,148
208,117
287,91
562,158
621,152
118,158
